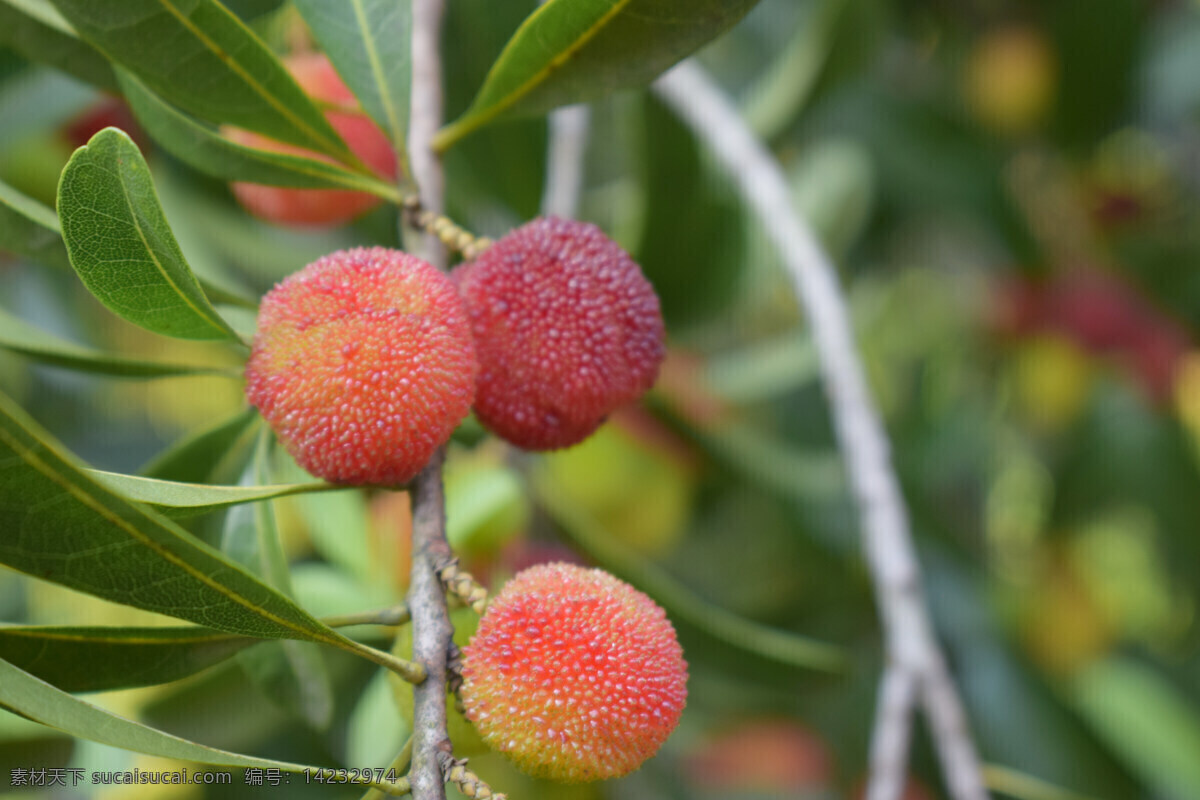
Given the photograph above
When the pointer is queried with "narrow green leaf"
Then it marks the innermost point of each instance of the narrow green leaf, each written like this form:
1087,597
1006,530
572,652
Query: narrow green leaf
19,336
290,674
368,43
100,659
1147,722
122,247
764,370
188,499
202,58
38,32
203,147
1011,783
679,601
63,526
29,228
223,284
783,89
39,701
195,458
573,50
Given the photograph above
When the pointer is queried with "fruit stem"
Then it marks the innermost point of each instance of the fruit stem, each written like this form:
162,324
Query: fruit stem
454,236
392,616
410,671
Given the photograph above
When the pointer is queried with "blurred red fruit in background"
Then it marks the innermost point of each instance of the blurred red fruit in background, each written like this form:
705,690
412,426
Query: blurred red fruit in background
1103,315
318,207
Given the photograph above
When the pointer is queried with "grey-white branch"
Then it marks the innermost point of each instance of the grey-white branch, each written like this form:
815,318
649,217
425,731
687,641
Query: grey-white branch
432,631
916,670
565,151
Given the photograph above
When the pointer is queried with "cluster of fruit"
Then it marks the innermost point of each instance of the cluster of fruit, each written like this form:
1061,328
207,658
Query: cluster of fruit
365,362
367,359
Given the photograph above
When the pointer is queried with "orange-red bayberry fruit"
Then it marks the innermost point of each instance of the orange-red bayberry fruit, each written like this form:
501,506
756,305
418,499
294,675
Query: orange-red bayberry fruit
363,364
574,674
566,327
318,207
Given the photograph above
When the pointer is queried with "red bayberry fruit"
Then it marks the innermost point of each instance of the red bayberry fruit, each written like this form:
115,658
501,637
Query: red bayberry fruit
574,674
566,327
363,364
318,207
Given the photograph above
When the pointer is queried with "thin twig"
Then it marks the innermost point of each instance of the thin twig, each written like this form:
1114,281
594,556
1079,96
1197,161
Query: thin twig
892,734
911,645
565,161
432,631
426,116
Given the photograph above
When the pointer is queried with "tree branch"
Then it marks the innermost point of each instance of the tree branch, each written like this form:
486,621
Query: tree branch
426,116
565,161
892,734
912,648
432,631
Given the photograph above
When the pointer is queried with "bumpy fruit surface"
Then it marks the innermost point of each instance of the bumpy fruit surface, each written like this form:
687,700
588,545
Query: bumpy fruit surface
567,330
318,207
363,365
574,674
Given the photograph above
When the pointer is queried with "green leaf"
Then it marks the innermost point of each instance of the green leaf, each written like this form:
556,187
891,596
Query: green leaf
495,181
1146,721
680,602
38,32
1011,783
290,674
63,526
833,189
764,370
202,58
226,288
195,458
786,86
573,50
201,146
368,43
100,659
39,701
19,336
188,499
122,247
29,228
